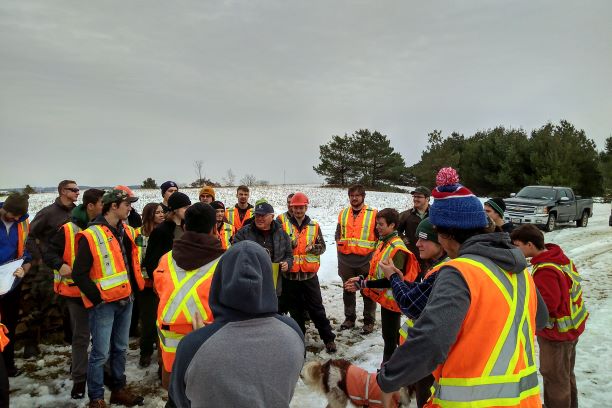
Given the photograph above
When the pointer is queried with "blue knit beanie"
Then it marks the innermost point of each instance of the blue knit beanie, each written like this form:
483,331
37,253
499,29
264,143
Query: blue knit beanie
455,206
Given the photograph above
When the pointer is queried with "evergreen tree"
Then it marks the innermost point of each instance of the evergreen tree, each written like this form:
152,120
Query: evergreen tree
336,161
440,152
149,183
605,166
28,190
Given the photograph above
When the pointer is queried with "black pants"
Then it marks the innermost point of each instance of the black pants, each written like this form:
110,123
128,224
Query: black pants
390,321
4,385
423,390
298,296
9,312
147,308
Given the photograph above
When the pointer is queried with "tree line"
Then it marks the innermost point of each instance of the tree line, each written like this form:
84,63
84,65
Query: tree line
491,162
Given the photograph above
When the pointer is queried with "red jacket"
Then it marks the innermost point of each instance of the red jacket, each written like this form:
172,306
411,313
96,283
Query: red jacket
554,286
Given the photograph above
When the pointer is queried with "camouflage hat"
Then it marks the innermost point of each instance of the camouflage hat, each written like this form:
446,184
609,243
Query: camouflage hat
116,196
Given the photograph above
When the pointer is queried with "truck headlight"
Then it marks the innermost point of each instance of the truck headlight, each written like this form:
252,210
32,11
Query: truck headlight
541,210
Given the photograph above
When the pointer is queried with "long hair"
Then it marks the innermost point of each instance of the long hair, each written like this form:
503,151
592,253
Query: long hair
148,218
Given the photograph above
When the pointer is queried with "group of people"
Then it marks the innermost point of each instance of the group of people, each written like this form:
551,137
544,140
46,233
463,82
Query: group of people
210,287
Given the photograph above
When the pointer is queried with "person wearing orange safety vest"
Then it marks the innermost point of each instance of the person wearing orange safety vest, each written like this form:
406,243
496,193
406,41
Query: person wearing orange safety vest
356,239
301,289
59,257
378,288
558,281
182,281
482,310
225,231
13,235
106,270
242,211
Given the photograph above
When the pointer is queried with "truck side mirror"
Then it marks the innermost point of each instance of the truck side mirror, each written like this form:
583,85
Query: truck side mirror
512,194
564,199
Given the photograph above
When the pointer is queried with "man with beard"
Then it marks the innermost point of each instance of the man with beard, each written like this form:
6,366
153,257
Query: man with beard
356,240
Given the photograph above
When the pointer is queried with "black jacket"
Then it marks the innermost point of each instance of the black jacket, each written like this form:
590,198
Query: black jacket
277,243
160,242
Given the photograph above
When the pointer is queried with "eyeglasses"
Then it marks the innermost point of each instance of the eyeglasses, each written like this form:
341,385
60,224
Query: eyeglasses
74,190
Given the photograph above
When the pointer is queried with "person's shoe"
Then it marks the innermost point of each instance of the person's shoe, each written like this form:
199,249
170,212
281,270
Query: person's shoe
13,371
347,324
145,361
367,328
125,397
330,346
97,404
30,350
78,390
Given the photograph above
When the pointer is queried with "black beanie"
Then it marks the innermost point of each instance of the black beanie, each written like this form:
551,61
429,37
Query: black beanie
200,217
178,200
16,204
498,205
217,205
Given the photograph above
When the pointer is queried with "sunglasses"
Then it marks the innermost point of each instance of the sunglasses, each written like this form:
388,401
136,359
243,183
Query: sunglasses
74,190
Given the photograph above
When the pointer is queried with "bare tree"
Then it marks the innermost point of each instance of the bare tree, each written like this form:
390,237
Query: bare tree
198,165
248,180
263,183
229,178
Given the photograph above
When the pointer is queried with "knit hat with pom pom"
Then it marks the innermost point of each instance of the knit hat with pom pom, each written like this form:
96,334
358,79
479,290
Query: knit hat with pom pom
455,206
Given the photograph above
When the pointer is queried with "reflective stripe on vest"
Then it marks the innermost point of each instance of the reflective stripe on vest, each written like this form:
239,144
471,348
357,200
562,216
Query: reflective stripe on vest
403,331
139,240
23,229
578,311
286,224
225,235
64,285
110,276
498,385
302,261
363,241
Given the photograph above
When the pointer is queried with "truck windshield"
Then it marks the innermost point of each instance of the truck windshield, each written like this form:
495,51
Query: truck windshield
540,193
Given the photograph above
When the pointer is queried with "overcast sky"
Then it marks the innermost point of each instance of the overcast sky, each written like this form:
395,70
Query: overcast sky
110,92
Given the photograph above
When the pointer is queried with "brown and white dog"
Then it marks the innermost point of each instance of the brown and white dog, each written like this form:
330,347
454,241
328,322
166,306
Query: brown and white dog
341,382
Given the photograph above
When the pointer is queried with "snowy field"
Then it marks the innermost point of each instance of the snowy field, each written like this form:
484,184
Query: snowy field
47,384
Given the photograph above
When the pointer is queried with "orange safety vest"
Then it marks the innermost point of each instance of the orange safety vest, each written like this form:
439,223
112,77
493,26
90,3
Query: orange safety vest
181,294
64,285
362,388
357,234
492,363
302,261
109,271
233,217
387,250
578,312
23,229
225,235
4,340
140,240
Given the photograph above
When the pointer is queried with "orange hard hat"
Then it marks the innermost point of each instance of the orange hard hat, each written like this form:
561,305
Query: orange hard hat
299,198
128,190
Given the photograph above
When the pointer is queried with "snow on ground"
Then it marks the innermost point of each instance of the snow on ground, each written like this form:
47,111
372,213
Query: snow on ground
46,381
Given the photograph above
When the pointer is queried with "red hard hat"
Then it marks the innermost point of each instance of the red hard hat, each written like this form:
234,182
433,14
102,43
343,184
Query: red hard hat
299,198
128,190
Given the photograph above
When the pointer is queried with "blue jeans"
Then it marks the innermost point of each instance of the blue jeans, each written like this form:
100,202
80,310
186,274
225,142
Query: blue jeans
109,324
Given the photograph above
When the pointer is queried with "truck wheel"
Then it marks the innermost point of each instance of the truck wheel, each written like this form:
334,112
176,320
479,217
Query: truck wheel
584,220
550,225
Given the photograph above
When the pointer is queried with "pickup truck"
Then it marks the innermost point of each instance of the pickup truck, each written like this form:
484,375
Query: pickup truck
545,206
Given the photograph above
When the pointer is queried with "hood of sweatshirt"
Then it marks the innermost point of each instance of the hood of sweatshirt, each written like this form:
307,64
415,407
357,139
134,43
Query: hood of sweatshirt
79,216
242,286
193,250
553,254
497,247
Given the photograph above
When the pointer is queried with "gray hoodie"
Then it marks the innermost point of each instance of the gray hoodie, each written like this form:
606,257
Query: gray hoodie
436,330
249,356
